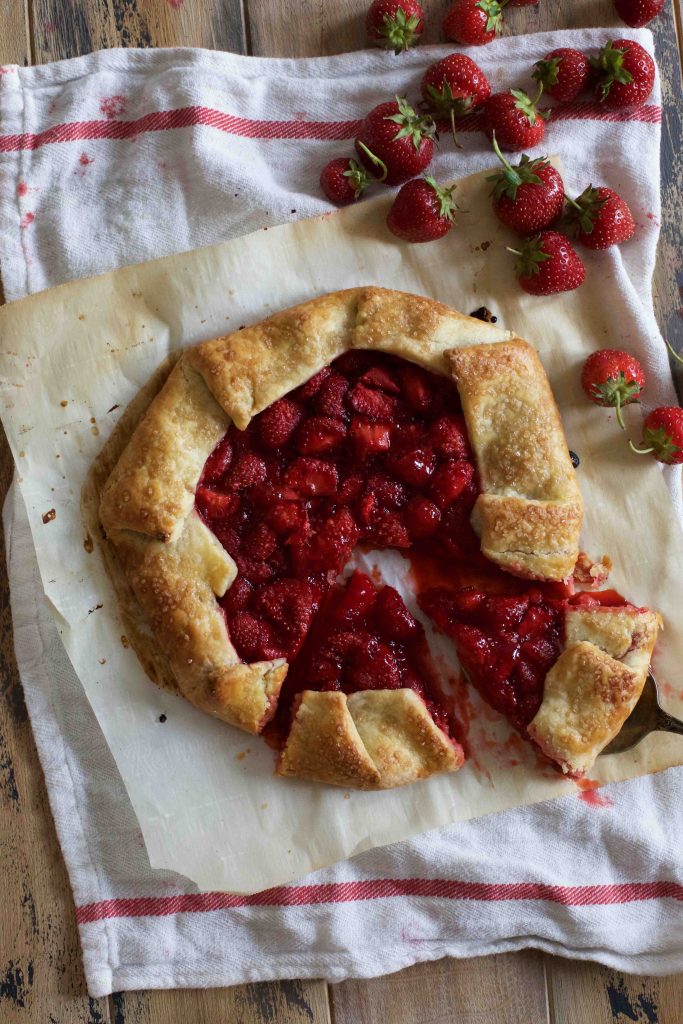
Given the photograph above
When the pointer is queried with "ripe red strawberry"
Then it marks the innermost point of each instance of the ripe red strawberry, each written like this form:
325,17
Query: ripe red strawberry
393,618
612,378
663,435
547,264
564,73
472,22
312,477
394,24
515,119
277,423
637,13
449,481
218,462
454,86
602,218
215,505
529,196
247,471
318,434
626,74
368,437
343,181
394,136
370,402
422,211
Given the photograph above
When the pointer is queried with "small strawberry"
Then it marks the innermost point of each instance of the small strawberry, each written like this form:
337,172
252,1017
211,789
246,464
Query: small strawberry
454,86
515,119
548,264
422,211
637,13
663,435
564,73
400,140
626,74
343,181
612,378
394,24
473,22
602,218
529,196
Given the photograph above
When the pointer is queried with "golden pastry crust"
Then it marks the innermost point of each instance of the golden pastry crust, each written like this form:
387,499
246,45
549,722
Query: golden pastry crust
529,512
594,685
176,568
374,739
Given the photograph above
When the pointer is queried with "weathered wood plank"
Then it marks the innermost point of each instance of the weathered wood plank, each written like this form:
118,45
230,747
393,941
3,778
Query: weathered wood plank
67,30
507,988
584,993
285,1002
14,33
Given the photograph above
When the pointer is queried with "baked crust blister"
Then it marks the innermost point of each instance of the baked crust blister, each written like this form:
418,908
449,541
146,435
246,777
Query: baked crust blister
528,514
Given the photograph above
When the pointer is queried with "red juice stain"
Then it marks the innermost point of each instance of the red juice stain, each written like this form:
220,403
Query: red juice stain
113,106
84,159
22,188
175,4
27,219
588,793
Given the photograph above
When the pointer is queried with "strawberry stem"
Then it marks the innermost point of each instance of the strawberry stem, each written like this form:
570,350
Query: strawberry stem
673,352
458,145
496,150
572,202
377,161
617,409
515,252
640,451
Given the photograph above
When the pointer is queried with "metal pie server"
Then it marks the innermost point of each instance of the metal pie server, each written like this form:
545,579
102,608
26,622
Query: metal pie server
646,717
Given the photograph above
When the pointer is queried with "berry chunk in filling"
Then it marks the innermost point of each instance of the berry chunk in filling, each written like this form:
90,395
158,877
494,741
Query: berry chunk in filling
372,450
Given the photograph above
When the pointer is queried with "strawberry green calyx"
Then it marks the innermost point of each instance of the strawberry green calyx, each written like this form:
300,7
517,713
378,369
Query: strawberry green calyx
659,443
547,72
617,392
510,178
447,204
527,105
411,125
444,102
529,257
493,9
583,211
358,178
400,31
610,64
375,160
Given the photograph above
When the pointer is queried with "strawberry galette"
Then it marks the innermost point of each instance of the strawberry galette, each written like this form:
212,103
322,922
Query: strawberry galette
374,419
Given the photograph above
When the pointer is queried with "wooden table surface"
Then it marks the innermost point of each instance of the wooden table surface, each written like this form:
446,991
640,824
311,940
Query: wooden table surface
41,977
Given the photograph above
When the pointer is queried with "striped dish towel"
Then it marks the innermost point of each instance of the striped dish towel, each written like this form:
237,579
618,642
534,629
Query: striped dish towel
127,155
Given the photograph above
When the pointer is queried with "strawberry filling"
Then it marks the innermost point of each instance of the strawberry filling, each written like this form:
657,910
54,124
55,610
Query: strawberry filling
372,451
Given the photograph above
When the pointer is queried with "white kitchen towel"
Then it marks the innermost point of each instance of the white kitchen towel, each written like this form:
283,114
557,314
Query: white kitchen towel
127,155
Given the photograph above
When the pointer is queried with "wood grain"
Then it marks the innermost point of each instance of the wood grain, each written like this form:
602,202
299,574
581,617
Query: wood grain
584,993
504,989
14,33
285,1002
68,28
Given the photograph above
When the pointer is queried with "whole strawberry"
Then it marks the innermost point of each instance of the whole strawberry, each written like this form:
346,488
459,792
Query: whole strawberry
547,264
637,13
601,217
612,378
454,86
515,119
422,211
626,74
529,196
473,22
394,24
398,138
663,435
343,181
563,73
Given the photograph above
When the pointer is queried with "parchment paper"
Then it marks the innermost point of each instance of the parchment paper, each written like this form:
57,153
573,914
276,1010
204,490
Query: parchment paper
71,359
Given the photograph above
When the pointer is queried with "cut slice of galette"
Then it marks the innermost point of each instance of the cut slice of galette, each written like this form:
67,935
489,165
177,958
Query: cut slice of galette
383,420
